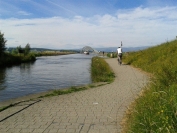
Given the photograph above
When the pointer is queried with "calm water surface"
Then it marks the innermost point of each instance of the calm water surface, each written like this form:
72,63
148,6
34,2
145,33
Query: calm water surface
47,73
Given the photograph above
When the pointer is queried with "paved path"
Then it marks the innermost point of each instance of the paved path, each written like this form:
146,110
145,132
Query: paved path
97,110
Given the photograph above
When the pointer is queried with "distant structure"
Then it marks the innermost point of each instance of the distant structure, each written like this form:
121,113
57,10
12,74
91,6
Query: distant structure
89,49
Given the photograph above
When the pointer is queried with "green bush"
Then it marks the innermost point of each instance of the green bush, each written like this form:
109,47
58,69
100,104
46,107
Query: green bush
13,59
28,58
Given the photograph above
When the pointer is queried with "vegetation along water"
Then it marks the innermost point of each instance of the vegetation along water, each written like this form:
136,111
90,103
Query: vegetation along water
155,111
18,55
100,71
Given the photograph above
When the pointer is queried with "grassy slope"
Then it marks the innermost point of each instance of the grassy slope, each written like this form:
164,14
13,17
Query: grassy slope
156,110
100,71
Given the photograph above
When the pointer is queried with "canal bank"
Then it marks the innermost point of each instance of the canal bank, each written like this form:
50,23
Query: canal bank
94,110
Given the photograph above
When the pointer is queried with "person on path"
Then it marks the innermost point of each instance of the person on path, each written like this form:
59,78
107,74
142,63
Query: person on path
119,54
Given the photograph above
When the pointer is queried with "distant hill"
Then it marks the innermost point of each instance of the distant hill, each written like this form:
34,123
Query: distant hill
105,49
125,49
46,49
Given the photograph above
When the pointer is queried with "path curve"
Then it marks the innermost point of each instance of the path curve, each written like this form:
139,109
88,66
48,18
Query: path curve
97,110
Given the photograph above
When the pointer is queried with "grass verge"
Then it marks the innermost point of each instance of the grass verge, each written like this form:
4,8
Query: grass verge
155,111
67,91
100,71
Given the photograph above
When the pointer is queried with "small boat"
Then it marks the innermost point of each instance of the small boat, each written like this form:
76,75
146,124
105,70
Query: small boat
86,52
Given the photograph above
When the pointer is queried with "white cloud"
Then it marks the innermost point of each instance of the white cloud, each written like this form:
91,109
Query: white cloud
135,27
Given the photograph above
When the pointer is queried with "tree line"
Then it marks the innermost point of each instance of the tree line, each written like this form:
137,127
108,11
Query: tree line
18,50
17,56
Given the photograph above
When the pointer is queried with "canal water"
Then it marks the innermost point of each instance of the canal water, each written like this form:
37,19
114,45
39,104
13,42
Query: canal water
46,73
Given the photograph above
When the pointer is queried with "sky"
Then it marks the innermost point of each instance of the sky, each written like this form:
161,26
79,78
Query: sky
73,24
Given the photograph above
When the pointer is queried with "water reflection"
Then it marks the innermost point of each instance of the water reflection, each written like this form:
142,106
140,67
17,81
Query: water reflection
26,67
49,72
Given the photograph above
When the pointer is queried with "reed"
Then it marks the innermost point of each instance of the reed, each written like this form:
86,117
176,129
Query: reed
10,59
52,53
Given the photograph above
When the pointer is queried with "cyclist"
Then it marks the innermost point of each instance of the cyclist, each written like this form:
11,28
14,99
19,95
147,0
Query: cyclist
119,54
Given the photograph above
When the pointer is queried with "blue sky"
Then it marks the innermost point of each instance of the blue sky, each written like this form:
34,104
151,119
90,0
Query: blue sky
96,23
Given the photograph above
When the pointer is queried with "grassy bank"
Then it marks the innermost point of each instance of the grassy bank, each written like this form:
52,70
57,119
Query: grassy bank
10,59
52,53
155,111
100,71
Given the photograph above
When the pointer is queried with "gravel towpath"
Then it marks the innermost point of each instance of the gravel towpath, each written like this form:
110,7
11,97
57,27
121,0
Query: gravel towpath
96,110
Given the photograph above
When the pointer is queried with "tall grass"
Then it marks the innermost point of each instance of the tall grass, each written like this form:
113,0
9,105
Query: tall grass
100,70
156,110
10,59
52,53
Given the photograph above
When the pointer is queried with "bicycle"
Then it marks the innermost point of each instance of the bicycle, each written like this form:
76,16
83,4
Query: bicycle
120,59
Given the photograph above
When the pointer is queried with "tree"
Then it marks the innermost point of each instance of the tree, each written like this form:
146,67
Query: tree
14,51
20,50
2,43
27,49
